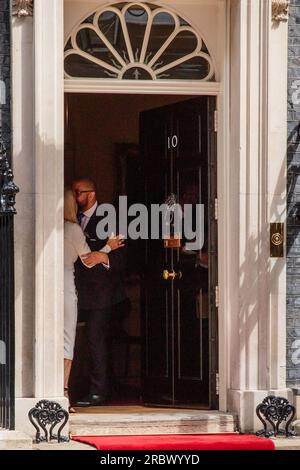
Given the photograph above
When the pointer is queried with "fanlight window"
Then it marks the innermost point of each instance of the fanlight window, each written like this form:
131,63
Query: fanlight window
131,41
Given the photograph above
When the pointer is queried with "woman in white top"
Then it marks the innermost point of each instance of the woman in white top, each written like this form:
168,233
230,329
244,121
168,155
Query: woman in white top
75,246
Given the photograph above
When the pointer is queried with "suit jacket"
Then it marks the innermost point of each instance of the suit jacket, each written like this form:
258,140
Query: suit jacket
95,286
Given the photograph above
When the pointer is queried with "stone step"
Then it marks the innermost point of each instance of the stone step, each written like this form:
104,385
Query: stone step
14,440
154,422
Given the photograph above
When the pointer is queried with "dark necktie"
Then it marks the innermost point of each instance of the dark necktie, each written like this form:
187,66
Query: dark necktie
80,217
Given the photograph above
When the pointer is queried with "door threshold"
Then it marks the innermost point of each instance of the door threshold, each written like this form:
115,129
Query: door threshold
141,408
186,406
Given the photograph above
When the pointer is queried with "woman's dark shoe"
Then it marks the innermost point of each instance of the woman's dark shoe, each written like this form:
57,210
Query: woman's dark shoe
66,394
91,400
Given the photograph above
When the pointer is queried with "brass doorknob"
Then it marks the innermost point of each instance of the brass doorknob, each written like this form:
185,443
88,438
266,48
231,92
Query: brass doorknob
171,275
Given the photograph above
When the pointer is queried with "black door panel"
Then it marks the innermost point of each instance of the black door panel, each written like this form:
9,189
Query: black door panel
178,151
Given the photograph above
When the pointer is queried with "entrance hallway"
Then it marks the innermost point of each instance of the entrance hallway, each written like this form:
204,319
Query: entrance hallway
127,152
102,138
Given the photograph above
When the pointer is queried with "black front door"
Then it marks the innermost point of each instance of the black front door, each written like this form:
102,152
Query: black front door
179,309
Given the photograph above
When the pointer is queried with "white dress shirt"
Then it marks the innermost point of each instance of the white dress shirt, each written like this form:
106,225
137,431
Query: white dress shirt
87,215
84,222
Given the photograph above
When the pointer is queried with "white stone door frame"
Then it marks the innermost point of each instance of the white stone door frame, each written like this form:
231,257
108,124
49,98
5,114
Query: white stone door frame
188,88
251,188
49,45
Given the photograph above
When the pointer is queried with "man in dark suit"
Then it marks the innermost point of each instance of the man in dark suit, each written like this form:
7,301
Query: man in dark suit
95,287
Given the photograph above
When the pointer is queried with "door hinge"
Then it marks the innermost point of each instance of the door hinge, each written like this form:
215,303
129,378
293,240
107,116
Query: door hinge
217,383
216,209
216,120
217,297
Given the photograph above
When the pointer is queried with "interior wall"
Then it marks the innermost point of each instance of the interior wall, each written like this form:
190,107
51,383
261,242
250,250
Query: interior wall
94,124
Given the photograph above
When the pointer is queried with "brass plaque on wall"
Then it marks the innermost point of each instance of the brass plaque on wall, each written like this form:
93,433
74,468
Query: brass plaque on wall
276,240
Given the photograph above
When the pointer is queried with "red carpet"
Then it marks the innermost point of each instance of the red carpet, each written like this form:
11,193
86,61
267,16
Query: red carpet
179,442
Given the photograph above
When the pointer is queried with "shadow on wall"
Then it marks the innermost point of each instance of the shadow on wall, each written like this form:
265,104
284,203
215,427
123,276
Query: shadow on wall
257,275
28,258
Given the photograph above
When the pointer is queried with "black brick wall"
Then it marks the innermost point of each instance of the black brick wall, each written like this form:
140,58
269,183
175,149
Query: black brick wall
5,70
293,223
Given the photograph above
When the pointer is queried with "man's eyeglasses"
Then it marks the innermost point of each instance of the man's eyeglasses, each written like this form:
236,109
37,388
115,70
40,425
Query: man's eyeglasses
79,191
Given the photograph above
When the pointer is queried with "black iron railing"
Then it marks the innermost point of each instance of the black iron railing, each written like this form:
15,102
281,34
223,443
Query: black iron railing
8,192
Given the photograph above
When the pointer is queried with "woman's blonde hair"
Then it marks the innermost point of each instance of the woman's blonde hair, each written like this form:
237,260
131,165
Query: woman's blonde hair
70,206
